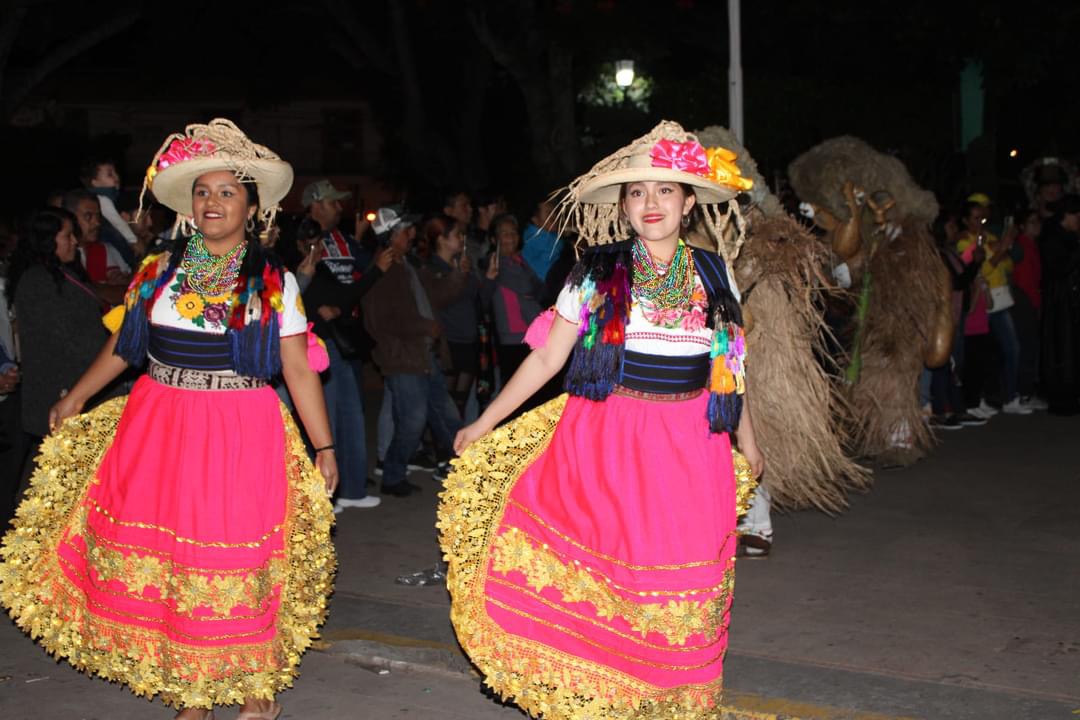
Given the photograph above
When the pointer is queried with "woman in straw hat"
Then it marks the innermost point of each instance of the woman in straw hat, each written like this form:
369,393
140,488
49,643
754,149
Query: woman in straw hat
177,540
592,541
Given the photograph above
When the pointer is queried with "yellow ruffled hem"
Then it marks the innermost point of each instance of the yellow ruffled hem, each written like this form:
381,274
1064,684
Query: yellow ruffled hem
53,611
539,679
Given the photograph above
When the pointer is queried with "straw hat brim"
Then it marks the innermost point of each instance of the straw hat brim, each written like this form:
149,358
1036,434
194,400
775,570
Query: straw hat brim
605,188
172,186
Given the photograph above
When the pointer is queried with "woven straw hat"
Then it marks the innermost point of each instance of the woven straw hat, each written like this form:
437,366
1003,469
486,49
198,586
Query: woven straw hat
668,153
218,145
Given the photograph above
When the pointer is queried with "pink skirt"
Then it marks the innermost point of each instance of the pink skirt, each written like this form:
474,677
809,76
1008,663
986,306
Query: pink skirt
592,553
176,541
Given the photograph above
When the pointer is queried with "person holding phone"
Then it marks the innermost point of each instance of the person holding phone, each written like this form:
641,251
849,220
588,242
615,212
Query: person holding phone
513,291
995,271
453,289
336,275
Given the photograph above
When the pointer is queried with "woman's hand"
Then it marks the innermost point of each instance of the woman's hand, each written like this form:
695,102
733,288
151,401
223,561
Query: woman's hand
493,267
327,464
468,435
63,409
753,455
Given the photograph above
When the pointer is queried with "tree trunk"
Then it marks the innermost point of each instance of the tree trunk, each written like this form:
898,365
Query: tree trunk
13,17
543,71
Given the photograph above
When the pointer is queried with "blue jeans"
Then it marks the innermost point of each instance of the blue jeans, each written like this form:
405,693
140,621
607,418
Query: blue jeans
345,406
418,401
1004,332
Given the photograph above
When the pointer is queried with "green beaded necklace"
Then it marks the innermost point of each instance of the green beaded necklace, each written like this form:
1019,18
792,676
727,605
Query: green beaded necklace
668,286
208,274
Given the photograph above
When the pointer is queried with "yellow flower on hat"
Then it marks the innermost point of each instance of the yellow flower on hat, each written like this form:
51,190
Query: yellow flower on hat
723,170
190,305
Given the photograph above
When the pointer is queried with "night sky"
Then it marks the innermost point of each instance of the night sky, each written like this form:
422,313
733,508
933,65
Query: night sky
458,112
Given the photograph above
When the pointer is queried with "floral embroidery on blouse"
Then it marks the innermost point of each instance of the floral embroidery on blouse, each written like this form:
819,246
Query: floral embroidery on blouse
689,318
203,311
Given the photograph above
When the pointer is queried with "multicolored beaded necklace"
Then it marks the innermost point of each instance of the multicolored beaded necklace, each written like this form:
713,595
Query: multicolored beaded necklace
665,286
208,274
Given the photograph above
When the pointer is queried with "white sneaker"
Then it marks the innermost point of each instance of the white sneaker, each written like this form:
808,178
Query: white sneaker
976,412
365,502
987,410
1035,402
1015,407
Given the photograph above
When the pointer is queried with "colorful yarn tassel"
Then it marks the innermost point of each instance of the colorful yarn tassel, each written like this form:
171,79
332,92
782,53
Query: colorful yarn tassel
727,377
539,329
134,336
596,365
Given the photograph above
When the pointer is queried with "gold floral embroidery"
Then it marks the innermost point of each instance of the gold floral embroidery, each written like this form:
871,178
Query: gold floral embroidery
576,585
542,680
45,603
676,620
190,590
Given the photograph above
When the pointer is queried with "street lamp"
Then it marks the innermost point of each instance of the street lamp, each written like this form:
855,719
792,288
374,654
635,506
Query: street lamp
624,73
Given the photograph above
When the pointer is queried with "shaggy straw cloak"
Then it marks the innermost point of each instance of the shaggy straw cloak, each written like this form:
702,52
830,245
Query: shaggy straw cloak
801,417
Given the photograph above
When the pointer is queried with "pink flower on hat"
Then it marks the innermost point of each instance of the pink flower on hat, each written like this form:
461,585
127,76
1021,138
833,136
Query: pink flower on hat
686,156
183,149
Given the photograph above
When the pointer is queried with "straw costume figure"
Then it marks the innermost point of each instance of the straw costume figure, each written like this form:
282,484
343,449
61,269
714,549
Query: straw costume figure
877,222
177,540
591,542
802,419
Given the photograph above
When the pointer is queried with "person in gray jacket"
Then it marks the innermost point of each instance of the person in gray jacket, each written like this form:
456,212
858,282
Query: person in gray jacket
513,291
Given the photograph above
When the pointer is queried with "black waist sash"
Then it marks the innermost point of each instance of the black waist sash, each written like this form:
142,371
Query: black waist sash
190,349
664,374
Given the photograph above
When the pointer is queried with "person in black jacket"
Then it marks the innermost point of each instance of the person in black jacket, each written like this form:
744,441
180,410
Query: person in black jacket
1059,244
333,278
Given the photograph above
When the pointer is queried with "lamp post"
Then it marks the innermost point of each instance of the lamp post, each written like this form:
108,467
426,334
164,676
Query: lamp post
624,73
735,79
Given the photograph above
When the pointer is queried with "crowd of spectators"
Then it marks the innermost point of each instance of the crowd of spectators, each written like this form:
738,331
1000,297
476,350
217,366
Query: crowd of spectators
434,306
1016,294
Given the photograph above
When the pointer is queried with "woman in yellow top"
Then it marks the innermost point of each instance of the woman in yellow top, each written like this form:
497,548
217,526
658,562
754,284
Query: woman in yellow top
995,272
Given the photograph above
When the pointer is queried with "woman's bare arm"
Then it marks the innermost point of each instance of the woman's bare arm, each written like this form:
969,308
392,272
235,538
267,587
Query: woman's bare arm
539,367
307,394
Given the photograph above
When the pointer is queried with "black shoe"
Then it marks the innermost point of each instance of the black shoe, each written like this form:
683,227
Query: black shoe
969,420
421,461
401,489
442,471
945,423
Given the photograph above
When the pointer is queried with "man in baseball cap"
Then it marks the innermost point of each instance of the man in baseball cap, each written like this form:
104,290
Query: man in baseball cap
389,219
323,191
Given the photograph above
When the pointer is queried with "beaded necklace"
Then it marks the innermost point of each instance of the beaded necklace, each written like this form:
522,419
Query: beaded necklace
665,286
209,274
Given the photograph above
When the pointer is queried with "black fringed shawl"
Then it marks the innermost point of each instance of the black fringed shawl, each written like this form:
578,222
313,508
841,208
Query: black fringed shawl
604,276
254,323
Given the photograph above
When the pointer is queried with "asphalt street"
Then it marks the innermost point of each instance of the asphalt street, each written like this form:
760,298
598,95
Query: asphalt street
950,590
